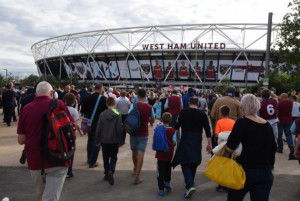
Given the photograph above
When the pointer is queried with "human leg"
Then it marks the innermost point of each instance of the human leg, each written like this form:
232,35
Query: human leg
260,190
279,139
55,178
105,157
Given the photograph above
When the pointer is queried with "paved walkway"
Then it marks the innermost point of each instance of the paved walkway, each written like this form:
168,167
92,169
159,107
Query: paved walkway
15,181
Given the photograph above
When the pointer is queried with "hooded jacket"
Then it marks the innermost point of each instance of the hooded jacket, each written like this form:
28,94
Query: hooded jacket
109,127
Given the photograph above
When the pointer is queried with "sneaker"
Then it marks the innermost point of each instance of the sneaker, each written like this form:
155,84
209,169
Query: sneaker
168,187
94,165
106,177
70,175
111,180
161,193
292,157
188,194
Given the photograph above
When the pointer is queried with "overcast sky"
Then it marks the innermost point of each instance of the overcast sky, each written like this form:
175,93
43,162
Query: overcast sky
23,22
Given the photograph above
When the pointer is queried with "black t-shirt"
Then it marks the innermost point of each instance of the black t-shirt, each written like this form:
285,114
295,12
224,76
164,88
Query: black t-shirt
193,120
258,142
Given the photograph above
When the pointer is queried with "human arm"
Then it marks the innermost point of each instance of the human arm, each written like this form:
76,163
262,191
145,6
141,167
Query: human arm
234,138
166,104
21,139
179,120
152,117
207,132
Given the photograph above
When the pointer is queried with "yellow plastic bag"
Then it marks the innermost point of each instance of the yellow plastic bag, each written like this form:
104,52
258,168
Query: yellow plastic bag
226,172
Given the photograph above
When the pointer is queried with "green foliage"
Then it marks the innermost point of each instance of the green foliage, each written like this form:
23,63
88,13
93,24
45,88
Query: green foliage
221,89
288,44
31,80
2,81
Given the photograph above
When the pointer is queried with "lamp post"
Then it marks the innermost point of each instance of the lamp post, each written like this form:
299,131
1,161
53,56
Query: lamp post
6,70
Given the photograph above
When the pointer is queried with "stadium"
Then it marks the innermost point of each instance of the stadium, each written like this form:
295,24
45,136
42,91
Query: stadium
189,54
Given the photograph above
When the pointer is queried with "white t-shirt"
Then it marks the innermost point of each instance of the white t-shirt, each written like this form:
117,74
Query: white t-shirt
296,109
74,113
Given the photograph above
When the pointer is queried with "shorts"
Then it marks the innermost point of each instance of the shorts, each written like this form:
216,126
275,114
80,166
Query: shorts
138,143
50,185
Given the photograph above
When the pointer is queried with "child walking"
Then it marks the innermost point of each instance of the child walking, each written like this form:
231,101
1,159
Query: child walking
222,130
164,158
109,134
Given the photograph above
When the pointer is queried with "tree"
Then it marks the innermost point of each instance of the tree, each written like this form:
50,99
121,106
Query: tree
288,44
30,80
2,81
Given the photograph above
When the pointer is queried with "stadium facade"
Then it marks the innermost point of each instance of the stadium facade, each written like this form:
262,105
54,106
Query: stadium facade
190,54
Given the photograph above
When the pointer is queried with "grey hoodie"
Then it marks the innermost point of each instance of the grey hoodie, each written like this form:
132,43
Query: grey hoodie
109,127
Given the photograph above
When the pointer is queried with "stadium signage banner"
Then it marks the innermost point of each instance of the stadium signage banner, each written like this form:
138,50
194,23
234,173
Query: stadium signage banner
183,46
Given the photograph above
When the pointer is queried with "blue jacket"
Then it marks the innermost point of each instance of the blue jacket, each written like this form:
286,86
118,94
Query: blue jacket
185,100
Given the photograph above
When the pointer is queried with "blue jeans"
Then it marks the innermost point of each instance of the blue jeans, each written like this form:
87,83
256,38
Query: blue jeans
258,182
288,134
92,149
189,172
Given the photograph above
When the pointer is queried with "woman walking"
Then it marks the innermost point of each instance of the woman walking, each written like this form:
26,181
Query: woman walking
188,154
258,155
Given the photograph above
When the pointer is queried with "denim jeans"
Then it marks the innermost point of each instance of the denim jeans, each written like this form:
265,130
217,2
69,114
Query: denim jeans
286,129
189,172
258,182
109,153
92,149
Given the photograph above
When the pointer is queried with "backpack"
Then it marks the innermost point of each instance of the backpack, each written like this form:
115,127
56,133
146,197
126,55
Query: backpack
160,142
132,121
58,138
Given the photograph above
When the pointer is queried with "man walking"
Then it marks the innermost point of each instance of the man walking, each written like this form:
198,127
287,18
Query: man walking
174,106
9,103
93,106
139,142
123,105
30,131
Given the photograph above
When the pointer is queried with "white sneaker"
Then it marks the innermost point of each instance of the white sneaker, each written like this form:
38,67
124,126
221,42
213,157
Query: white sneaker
188,194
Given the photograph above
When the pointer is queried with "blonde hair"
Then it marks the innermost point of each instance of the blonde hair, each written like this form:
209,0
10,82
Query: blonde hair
250,104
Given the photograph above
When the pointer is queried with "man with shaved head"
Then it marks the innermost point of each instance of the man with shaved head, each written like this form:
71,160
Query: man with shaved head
285,108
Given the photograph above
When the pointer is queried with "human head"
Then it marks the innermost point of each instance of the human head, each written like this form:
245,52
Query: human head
123,93
72,87
44,89
266,93
194,101
110,90
141,94
98,88
68,88
225,110
230,91
294,98
70,99
110,102
190,90
10,85
166,118
284,96
174,92
250,105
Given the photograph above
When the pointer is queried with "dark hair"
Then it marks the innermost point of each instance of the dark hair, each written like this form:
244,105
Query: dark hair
174,92
141,93
266,93
98,86
110,101
294,98
190,90
123,93
194,101
69,99
166,118
225,111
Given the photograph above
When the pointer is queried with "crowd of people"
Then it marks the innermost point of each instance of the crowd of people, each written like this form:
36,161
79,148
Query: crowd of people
255,121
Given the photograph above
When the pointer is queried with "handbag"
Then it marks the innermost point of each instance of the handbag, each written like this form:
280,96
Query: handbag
226,172
86,123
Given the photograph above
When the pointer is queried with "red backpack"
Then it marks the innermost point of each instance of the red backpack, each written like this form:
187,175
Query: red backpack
58,139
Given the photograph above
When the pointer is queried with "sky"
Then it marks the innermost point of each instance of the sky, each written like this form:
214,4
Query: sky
24,22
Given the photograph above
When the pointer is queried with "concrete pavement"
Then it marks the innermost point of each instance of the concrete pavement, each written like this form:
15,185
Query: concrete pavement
15,181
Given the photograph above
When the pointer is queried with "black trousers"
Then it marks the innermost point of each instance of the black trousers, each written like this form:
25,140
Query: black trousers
164,173
124,116
109,153
8,114
258,182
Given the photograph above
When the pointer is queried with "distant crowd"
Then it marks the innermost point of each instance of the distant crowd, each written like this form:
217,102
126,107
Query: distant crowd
247,126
